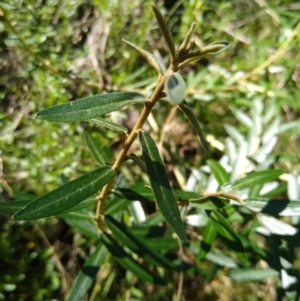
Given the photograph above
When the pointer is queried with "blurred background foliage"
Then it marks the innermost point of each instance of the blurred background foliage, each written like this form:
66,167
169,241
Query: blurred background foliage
57,51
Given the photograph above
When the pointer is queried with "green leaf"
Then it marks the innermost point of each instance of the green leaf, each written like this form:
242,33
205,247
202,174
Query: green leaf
216,47
85,225
204,52
67,195
135,244
221,259
95,149
255,178
185,195
223,227
186,108
146,231
149,57
160,184
154,237
218,171
138,161
85,277
209,203
127,262
274,207
164,30
90,107
175,88
84,204
115,205
208,237
252,274
277,226
110,125
136,193
11,207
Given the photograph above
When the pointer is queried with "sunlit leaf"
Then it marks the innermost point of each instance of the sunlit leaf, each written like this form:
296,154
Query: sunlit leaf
90,107
255,178
66,196
175,88
135,244
252,274
274,207
127,262
160,184
186,108
86,276
221,259
277,226
218,171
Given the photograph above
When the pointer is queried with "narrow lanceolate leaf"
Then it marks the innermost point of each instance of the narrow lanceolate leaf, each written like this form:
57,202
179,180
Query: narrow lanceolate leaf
186,108
175,88
138,161
85,278
95,148
67,195
149,57
84,224
135,193
218,171
209,203
136,244
160,184
274,207
208,237
164,30
90,107
252,274
11,207
277,226
223,227
127,262
255,178
110,125
204,52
